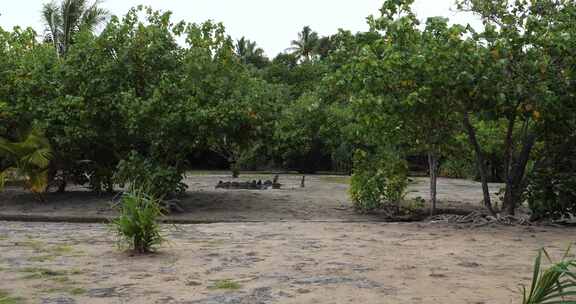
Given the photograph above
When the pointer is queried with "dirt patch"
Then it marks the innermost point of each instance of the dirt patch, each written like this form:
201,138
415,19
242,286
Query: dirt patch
275,263
325,198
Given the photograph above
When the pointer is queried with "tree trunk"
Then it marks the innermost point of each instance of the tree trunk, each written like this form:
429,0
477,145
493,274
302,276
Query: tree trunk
480,163
508,146
62,185
433,171
515,183
234,167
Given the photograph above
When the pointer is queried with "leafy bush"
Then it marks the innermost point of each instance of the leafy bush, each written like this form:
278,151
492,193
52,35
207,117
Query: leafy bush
378,180
458,168
554,284
137,226
160,180
551,190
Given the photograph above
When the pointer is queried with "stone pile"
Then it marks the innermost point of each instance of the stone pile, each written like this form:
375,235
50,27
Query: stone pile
250,185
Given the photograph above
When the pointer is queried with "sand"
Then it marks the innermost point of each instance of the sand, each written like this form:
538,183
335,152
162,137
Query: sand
325,198
297,262
293,245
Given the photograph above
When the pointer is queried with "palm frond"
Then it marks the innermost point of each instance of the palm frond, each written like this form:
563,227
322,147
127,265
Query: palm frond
551,285
39,158
93,17
3,177
31,157
38,181
52,21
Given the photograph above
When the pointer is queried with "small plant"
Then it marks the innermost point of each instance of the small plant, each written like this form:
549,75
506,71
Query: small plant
553,285
226,284
161,180
43,273
378,180
74,291
6,298
137,225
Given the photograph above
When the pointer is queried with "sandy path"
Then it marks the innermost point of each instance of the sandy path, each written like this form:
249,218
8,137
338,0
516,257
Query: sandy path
275,263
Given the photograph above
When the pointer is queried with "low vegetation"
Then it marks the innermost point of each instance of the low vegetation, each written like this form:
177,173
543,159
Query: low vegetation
6,298
226,284
137,225
555,284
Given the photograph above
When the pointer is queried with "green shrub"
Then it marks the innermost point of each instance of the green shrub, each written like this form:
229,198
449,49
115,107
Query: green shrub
378,180
226,284
137,225
553,285
458,168
160,180
551,191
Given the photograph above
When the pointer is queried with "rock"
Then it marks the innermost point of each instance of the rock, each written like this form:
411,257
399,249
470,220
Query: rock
262,295
323,281
102,292
173,206
193,283
469,264
58,300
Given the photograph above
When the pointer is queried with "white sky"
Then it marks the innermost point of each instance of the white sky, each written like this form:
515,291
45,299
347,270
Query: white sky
271,23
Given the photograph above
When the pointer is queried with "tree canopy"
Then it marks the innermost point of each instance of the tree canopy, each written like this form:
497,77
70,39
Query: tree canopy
495,104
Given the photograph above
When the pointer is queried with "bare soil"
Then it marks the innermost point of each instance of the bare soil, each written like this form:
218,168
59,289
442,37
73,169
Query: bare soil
293,245
289,262
325,198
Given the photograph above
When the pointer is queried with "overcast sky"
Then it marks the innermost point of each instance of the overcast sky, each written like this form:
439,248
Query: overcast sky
271,23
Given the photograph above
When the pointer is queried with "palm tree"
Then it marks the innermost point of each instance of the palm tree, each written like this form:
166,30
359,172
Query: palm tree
250,53
69,17
324,47
305,47
30,157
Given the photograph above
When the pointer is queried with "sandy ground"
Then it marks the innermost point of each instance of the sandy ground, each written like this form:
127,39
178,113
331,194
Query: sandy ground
295,262
325,198
293,245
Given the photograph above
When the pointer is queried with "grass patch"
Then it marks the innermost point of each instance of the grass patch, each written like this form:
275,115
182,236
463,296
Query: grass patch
6,298
213,243
62,249
41,258
41,247
33,244
43,273
3,237
76,271
226,284
74,291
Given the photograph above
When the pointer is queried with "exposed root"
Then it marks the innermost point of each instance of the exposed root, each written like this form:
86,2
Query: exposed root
478,219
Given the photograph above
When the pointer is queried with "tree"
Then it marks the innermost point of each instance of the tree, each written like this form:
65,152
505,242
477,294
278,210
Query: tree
304,48
522,77
64,20
324,47
401,85
250,53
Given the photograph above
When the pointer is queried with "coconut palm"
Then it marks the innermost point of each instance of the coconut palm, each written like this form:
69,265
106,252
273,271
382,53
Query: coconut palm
324,47
556,284
250,53
29,157
305,46
63,20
